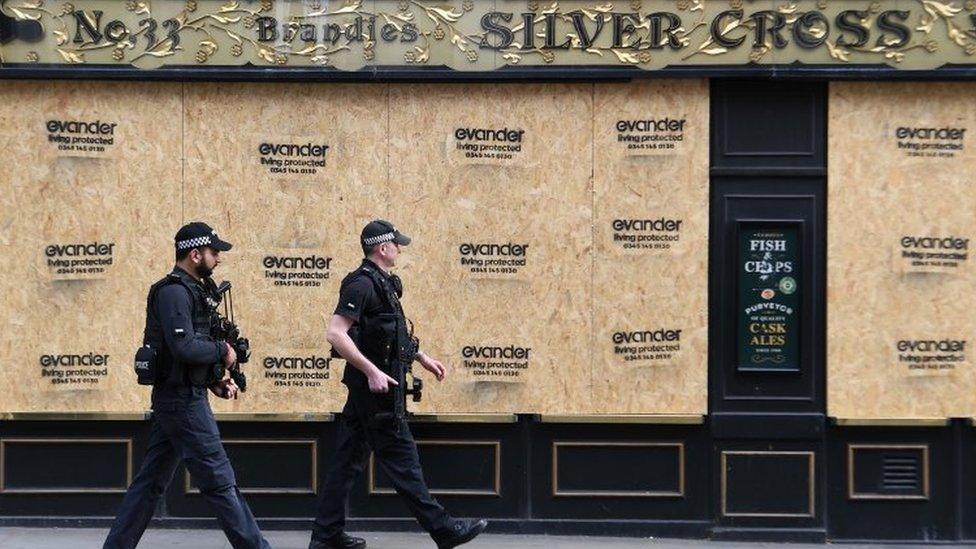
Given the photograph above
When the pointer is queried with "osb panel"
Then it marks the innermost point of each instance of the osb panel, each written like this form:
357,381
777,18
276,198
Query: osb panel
900,279
14,307
498,197
650,274
294,216
85,231
520,204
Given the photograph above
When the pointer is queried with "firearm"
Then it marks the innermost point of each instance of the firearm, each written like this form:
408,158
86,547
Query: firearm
402,366
223,328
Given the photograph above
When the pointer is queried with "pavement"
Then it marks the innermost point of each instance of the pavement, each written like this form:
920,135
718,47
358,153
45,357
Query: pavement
82,538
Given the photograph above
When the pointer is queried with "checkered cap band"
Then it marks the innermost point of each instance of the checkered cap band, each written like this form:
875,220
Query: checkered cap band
193,243
378,239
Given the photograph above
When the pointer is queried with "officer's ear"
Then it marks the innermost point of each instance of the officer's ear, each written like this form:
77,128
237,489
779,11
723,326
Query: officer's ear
196,255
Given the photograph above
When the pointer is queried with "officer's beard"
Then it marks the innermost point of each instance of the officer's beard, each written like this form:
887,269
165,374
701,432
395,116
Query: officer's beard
203,271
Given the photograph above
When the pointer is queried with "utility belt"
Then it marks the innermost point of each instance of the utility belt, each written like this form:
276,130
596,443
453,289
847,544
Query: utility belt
178,392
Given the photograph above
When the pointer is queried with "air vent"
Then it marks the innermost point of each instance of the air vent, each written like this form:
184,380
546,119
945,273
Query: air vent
900,472
888,471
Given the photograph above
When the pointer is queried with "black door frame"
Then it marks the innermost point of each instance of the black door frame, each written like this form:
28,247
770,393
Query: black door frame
768,164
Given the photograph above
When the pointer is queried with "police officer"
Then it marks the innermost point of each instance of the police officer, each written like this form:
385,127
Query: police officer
355,332
188,363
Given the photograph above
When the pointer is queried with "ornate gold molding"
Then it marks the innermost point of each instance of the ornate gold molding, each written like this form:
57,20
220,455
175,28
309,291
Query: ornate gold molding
355,35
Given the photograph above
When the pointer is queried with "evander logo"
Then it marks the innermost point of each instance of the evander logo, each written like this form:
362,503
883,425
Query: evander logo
930,355
296,362
952,134
932,254
660,125
292,158
511,351
930,141
74,369
74,250
508,249
81,138
504,135
307,262
486,258
296,370
646,234
82,260
85,128
496,362
658,345
291,149
297,271
928,243
650,225
652,135
929,345
489,145
647,336
90,359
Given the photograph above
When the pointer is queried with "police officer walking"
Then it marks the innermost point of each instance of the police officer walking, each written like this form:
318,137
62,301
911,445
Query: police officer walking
186,363
358,332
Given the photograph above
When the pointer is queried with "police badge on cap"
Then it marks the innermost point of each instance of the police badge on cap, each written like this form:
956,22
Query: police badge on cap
196,234
380,231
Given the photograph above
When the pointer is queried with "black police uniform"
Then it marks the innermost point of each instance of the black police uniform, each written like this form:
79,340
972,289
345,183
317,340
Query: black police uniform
359,428
182,428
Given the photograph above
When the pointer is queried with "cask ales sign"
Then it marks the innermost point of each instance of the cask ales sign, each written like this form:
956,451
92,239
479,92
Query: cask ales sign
768,298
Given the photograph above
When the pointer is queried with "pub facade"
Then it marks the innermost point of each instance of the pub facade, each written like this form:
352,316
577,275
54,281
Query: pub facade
698,268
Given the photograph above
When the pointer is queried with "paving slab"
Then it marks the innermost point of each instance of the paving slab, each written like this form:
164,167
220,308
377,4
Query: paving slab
84,538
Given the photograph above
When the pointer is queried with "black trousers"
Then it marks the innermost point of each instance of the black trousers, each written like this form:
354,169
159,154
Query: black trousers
395,453
186,431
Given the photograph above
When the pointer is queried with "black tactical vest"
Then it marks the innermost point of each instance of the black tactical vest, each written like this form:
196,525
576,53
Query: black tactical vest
174,373
375,335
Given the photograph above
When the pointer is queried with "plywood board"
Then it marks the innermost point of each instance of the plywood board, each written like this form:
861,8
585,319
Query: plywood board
91,185
494,182
289,174
900,271
520,198
650,275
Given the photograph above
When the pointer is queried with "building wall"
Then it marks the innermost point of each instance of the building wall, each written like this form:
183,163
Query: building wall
845,442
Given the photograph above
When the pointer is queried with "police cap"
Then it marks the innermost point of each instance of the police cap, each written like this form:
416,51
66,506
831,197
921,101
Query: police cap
380,231
196,234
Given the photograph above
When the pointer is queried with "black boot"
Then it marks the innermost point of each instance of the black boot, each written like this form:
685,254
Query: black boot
341,540
462,532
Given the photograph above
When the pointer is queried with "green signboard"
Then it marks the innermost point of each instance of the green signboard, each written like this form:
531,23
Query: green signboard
769,298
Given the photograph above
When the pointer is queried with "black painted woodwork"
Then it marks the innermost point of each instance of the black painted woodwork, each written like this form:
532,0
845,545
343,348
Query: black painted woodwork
768,168
865,510
744,474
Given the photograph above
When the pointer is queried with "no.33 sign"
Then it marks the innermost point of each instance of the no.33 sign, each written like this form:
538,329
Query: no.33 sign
769,296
